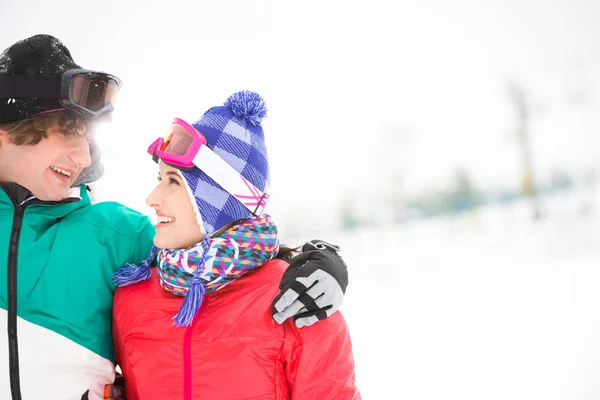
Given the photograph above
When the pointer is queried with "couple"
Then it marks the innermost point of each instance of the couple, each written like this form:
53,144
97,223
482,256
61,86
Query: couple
206,298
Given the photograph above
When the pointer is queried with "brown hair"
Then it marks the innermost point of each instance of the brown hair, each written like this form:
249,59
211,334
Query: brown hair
32,130
286,253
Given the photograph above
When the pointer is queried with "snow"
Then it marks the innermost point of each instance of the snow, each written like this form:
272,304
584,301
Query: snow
487,306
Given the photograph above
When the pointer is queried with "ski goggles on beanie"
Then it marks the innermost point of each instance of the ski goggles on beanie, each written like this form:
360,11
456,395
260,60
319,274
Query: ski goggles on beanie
82,91
185,148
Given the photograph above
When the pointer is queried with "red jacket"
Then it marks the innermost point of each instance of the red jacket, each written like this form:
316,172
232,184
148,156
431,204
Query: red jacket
232,350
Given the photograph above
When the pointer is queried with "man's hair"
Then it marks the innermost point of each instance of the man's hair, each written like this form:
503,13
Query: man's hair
32,130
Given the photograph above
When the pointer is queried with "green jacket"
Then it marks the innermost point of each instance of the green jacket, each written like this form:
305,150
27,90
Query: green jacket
64,255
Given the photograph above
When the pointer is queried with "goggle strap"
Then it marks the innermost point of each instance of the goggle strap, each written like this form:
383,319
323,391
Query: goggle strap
28,87
231,180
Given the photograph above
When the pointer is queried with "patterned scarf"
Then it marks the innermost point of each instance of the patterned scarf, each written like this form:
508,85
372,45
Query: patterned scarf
240,249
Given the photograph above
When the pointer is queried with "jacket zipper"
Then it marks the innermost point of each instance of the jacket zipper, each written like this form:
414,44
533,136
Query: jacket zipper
13,252
187,355
13,346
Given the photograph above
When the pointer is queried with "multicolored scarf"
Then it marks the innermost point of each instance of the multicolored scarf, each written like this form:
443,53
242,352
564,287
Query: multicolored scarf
209,265
240,249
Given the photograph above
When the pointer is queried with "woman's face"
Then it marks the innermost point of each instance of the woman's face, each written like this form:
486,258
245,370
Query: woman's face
177,227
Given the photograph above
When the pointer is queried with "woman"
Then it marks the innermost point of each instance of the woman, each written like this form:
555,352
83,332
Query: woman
200,325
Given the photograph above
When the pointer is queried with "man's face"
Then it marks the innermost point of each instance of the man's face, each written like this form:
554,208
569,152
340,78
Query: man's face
47,169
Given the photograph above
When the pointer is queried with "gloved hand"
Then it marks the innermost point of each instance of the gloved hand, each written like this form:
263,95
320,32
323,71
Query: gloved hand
313,286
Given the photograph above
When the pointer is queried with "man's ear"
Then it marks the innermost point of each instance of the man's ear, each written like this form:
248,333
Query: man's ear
4,137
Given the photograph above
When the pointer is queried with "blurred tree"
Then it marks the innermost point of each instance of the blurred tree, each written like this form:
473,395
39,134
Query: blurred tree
560,180
348,215
463,195
391,155
519,98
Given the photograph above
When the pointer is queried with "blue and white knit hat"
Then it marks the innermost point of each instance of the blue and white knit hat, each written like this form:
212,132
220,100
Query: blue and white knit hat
234,132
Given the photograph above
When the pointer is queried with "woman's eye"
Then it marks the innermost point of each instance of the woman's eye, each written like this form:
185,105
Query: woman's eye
173,181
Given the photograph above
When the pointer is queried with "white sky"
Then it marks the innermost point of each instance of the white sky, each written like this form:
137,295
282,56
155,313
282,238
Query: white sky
336,75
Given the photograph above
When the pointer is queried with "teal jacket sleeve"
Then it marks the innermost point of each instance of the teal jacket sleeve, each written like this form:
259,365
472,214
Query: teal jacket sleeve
142,240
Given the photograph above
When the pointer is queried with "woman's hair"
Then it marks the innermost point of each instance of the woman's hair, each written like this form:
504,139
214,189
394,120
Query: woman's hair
286,253
32,130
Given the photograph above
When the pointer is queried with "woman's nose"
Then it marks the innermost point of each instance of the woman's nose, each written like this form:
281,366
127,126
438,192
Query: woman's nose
154,199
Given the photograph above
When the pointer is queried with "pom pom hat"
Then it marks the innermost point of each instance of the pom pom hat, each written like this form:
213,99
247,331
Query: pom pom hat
233,131
236,163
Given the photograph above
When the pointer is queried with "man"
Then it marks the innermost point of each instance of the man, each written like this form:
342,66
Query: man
56,286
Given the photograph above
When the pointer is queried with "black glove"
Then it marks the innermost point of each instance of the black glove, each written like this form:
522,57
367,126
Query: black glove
313,286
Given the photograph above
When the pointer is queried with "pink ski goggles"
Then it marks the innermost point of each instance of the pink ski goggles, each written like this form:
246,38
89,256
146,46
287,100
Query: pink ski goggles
179,146
184,147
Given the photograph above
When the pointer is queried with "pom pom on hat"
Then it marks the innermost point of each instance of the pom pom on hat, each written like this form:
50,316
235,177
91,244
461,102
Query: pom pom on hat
248,106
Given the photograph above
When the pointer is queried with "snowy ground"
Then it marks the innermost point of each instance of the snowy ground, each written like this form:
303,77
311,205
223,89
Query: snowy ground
489,306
